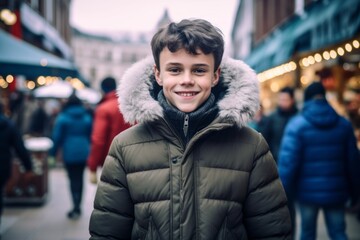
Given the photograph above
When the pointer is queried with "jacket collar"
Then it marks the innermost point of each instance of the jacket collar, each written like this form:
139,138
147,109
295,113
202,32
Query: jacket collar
237,93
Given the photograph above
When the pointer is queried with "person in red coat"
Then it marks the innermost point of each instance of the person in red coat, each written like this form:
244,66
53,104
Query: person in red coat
108,122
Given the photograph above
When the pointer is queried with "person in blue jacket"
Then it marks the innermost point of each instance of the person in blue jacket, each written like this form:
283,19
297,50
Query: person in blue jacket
71,133
319,164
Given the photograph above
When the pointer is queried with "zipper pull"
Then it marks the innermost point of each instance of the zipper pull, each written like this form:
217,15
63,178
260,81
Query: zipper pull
186,124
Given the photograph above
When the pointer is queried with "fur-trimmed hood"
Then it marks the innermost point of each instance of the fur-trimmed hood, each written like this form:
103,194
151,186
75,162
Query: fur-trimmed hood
237,93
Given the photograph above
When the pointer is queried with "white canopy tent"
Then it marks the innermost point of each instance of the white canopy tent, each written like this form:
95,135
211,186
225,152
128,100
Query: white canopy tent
63,89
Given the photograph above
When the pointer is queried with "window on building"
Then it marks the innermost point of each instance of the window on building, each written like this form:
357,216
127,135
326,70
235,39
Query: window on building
129,57
77,51
34,4
95,54
93,72
299,7
269,14
49,11
134,57
109,56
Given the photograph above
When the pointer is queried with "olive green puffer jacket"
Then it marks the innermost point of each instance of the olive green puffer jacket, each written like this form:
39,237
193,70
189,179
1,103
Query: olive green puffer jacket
222,185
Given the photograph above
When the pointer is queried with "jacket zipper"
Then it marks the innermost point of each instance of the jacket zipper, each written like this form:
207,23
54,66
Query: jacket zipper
186,124
185,129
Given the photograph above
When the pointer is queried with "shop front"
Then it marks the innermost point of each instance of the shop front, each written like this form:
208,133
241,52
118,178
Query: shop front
24,67
35,190
326,35
20,58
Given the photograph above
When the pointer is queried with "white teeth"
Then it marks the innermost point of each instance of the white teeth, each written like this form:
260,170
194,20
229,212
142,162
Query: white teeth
187,94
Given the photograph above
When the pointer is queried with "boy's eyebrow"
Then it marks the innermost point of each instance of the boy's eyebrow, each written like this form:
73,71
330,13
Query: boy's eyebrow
173,63
179,64
201,65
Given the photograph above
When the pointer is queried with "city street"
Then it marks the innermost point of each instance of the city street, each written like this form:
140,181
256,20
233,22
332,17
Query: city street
49,222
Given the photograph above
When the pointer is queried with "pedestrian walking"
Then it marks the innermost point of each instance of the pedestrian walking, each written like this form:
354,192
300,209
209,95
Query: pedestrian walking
190,168
71,134
22,110
330,83
259,120
273,127
108,122
11,142
319,164
39,120
274,124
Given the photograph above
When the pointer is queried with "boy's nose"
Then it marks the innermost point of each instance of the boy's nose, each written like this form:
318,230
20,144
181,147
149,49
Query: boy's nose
187,78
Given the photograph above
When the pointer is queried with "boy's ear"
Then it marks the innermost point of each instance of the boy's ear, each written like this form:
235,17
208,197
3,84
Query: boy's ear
216,78
157,75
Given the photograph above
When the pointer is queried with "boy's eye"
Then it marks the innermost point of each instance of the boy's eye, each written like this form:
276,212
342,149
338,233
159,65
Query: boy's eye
174,70
199,70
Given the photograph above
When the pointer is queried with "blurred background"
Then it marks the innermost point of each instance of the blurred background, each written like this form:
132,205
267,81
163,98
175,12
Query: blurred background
77,43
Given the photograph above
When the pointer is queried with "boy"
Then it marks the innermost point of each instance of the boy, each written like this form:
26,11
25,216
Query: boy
189,169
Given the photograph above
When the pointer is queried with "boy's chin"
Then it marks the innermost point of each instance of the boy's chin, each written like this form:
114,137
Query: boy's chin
187,109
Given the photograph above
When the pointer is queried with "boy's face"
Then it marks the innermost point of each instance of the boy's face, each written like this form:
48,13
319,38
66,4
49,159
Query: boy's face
186,79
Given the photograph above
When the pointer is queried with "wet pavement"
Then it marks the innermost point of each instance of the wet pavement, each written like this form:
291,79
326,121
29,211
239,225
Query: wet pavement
49,221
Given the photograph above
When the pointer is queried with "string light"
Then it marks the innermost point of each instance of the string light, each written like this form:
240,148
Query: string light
356,44
277,71
333,54
348,47
318,57
309,60
340,51
326,55
9,78
8,17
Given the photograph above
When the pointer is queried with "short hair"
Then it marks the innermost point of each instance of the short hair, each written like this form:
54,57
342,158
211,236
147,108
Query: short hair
314,90
191,35
73,100
108,84
288,90
324,73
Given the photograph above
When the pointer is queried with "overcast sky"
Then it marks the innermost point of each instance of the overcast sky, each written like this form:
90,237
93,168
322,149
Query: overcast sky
142,15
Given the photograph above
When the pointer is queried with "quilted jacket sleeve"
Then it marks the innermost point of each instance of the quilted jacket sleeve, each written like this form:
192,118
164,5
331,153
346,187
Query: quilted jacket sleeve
266,212
113,214
290,156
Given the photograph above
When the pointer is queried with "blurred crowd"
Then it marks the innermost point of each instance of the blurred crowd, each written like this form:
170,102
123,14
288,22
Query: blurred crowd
316,144
77,130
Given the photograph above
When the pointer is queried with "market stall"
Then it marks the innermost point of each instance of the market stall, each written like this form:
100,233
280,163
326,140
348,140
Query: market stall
20,190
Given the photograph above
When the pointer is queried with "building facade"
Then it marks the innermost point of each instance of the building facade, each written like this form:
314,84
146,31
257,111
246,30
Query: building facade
42,23
286,42
99,56
35,37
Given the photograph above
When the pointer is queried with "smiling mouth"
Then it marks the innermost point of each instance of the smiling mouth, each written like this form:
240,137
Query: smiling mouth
187,94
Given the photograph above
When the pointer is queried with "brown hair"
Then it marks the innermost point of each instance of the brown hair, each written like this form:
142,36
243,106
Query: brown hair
191,35
324,73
